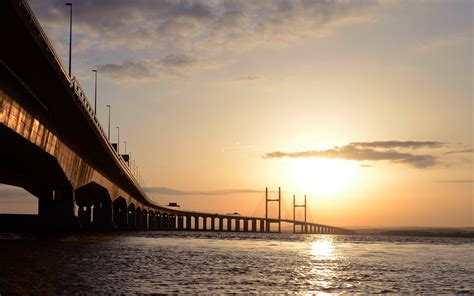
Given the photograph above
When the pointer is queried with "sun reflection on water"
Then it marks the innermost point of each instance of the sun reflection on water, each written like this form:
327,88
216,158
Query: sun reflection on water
323,249
323,262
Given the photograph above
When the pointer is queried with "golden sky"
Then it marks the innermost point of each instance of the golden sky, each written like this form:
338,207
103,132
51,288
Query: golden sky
364,106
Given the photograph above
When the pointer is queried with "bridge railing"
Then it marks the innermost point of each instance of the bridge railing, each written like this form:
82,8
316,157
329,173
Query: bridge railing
87,108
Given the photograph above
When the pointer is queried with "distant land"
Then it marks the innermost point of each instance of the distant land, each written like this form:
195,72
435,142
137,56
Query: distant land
416,231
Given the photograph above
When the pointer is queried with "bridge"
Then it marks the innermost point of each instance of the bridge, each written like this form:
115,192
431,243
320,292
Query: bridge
53,146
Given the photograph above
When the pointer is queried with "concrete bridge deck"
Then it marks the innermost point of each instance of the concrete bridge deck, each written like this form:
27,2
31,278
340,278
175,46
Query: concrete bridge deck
53,146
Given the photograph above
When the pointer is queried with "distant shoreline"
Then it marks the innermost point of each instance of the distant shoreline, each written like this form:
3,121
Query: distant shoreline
425,233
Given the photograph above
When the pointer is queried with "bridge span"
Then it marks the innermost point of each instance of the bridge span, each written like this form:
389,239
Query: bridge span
53,146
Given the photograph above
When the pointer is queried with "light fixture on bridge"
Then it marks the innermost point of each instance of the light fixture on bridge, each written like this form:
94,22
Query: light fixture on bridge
95,92
118,139
108,131
70,37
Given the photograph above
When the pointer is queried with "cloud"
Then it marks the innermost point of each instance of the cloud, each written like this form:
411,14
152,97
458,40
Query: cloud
171,191
148,69
175,60
399,144
140,70
147,29
248,78
357,151
442,42
469,150
454,181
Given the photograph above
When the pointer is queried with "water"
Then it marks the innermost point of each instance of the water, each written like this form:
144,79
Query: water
178,262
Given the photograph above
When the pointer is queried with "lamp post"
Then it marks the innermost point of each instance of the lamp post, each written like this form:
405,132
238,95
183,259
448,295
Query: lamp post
70,37
95,92
118,139
108,131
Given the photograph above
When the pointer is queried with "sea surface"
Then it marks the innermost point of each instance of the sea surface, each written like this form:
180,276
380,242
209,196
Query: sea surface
184,262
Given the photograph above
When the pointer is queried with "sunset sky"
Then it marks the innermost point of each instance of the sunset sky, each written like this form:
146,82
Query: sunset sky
364,106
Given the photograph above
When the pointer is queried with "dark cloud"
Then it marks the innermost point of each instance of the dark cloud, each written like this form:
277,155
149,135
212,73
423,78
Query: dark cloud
193,27
358,153
470,150
419,161
128,71
174,60
399,144
249,78
171,191
148,69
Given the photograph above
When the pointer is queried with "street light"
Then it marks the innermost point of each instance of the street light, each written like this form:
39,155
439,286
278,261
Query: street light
95,92
108,131
118,139
70,37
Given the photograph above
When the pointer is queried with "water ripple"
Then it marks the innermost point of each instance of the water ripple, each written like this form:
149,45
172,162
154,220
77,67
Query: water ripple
167,262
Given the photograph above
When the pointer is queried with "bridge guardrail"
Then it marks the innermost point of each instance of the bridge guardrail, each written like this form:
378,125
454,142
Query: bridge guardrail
86,106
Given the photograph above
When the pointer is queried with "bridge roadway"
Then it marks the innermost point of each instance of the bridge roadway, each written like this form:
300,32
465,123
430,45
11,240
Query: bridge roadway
52,145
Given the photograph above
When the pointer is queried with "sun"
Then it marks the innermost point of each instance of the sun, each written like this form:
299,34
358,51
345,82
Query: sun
321,175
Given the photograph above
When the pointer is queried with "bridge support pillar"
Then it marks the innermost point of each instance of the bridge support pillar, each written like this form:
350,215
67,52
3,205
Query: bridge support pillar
221,224
262,225
56,211
102,215
254,225
180,222
229,225
138,219
164,222
204,223
131,217
246,225
85,216
120,215
237,225
151,220
188,223
213,223
158,221
171,219
196,223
